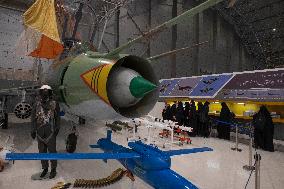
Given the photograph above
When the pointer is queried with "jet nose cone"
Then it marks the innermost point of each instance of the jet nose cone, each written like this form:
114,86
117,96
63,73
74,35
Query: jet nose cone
139,87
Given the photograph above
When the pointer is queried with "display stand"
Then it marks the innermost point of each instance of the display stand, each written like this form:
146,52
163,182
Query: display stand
249,167
257,158
236,148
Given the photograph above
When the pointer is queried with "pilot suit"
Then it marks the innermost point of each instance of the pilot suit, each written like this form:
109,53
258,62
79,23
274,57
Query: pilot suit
45,127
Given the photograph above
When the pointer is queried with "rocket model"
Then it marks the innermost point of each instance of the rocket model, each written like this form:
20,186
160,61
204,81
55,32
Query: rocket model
145,161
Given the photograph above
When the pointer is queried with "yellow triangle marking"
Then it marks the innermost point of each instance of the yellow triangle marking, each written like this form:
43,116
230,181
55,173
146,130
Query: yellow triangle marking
96,80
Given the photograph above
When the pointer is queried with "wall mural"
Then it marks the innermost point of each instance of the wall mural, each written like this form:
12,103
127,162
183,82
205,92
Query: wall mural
255,85
268,79
209,86
264,85
166,86
185,86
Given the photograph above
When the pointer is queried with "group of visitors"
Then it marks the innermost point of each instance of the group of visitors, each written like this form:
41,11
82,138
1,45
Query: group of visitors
189,116
186,114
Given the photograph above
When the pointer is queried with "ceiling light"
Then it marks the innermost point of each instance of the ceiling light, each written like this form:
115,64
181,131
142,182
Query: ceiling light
242,103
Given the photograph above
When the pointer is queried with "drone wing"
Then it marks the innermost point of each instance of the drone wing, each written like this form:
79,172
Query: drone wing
187,151
67,156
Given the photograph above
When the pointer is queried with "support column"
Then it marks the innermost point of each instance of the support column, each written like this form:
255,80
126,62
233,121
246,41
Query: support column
117,27
149,24
174,40
78,17
214,41
195,68
240,67
228,51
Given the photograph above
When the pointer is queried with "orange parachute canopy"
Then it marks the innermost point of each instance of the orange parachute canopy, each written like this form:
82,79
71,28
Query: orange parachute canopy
40,18
47,48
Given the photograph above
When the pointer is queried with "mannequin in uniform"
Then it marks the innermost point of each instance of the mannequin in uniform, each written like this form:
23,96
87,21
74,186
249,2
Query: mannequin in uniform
45,127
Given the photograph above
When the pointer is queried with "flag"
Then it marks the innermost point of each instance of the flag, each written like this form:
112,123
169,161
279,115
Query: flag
40,19
47,48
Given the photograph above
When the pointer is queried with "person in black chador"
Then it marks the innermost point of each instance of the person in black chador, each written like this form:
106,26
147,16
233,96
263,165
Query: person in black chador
186,113
180,114
198,126
45,122
166,114
263,129
173,112
223,129
204,120
193,118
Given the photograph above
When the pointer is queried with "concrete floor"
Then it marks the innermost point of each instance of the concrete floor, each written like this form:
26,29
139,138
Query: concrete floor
219,169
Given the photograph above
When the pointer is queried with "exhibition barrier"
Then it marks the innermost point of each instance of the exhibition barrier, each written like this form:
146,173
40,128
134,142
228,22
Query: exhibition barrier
257,157
232,125
250,167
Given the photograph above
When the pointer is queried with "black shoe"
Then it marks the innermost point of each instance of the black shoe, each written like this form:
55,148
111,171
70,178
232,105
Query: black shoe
44,172
52,173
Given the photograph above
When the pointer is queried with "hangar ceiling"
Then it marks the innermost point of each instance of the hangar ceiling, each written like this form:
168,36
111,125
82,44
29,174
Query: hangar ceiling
259,24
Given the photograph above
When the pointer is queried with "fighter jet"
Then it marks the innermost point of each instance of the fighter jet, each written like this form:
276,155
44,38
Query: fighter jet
107,85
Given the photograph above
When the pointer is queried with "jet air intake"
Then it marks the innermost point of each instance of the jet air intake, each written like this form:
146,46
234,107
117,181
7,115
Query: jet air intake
132,86
127,87
92,85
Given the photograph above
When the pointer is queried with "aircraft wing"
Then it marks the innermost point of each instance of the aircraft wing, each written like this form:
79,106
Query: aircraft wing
67,156
187,14
18,91
187,151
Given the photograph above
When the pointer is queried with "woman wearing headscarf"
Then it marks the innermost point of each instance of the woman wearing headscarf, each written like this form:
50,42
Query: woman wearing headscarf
198,126
173,112
180,114
193,118
204,120
164,113
263,129
186,114
223,129
168,112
